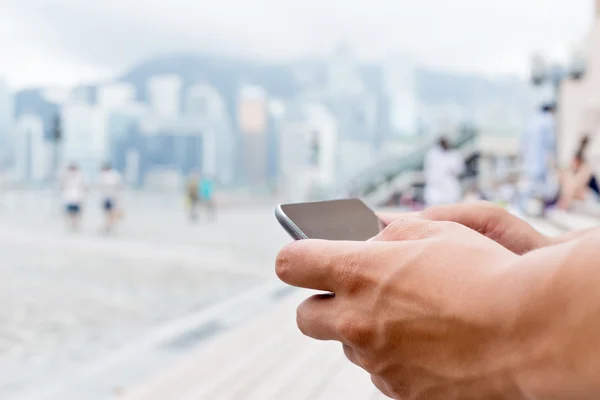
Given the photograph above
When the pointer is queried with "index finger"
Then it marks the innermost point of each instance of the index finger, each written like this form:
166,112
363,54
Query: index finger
320,264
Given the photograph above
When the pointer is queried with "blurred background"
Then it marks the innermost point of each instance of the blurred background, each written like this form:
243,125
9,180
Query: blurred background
144,145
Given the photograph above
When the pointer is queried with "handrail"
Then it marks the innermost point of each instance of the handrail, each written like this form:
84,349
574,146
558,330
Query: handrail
390,168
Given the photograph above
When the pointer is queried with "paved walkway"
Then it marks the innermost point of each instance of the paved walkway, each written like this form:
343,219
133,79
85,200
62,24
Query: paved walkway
267,359
71,300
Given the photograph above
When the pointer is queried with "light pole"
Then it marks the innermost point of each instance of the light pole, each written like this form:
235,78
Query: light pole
56,138
554,74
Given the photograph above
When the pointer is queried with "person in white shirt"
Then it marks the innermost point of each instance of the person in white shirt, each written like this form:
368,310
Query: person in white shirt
110,189
538,155
443,167
73,188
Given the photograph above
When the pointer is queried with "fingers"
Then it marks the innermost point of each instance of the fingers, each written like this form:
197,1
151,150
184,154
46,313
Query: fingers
389,218
323,265
480,216
316,317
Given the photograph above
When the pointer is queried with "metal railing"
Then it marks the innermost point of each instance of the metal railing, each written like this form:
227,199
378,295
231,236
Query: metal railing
401,170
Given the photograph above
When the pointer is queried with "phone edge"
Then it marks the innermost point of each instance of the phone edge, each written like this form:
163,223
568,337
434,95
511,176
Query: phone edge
288,225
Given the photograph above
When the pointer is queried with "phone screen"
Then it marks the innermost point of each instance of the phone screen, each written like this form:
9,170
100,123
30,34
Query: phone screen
334,220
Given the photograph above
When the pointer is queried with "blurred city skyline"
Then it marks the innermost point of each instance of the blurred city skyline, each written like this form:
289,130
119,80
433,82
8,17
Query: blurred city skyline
67,42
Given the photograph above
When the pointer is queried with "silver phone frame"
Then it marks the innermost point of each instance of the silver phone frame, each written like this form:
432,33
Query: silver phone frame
289,225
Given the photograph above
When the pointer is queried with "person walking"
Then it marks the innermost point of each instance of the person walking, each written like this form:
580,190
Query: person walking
538,153
110,188
443,167
73,188
207,189
192,195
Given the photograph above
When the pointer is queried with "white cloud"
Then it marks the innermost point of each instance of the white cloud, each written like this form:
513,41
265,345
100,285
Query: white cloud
65,41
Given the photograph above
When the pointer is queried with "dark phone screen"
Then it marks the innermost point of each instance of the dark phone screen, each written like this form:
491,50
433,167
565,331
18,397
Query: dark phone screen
334,220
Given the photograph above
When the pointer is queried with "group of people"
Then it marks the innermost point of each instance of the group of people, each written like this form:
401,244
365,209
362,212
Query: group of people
541,184
545,183
74,188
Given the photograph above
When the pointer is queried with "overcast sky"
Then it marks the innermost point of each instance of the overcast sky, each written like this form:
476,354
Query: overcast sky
62,42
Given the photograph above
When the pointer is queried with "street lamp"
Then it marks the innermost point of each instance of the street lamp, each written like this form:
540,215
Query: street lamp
56,138
542,72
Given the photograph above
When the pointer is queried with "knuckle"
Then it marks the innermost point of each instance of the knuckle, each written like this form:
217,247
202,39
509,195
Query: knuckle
357,333
349,271
410,229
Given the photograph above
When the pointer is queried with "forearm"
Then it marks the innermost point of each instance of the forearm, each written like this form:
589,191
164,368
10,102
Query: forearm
565,305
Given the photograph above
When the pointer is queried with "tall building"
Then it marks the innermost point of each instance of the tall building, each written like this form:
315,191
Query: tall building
205,105
401,89
159,150
308,144
6,117
116,95
252,109
84,136
32,151
164,95
122,126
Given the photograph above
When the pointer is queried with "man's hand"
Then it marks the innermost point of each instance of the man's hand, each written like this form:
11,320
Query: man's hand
488,219
434,310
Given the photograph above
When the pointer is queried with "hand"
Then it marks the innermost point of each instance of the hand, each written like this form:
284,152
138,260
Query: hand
488,219
431,310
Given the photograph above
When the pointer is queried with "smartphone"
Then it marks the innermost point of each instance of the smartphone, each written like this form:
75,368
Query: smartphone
349,219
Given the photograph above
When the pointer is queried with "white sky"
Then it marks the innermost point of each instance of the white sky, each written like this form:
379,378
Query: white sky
63,42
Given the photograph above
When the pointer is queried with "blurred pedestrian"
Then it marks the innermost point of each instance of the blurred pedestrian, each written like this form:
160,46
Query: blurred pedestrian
443,167
207,190
193,195
73,188
576,180
110,188
538,153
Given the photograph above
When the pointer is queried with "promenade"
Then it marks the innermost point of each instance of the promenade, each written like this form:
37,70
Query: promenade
71,300
162,309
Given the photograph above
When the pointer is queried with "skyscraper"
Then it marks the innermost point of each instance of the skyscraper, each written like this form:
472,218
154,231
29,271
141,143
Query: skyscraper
205,105
401,89
6,116
32,151
164,95
253,123
84,136
308,147
116,95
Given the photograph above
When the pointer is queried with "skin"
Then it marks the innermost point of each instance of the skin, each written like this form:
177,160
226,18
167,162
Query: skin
479,308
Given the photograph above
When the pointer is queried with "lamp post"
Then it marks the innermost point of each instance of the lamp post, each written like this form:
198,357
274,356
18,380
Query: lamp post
554,74
56,138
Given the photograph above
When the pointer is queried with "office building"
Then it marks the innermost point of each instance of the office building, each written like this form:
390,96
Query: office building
308,157
154,151
32,151
6,117
252,113
401,89
115,95
205,105
164,96
84,136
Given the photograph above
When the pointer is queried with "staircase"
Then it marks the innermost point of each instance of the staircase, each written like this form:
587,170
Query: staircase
397,173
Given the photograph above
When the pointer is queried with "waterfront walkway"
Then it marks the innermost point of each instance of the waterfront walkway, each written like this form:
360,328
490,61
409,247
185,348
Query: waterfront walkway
268,359
162,309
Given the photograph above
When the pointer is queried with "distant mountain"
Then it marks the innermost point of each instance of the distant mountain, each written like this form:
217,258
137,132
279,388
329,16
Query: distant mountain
227,75
286,80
